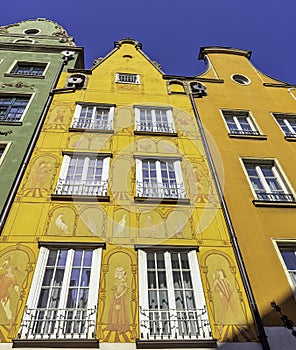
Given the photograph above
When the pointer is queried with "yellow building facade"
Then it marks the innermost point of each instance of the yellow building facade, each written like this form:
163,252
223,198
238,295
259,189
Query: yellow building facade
251,117
116,236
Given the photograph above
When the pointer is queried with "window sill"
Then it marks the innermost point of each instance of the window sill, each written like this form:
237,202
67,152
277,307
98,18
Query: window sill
98,131
2,122
24,76
155,133
175,344
290,139
56,343
159,200
247,136
82,198
279,204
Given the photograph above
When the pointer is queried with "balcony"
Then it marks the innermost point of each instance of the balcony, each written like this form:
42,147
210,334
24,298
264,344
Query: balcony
52,324
234,131
81,188
92,124
169,324
154,190
155,127
275,197
290,134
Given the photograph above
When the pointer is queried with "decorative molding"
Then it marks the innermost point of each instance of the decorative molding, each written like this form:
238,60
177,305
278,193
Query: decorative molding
18,85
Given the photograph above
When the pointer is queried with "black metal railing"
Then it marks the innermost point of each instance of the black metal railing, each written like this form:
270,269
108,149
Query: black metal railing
275,197
290,134
82,188
174,324
155,190
155,127
244,132
92,124
55,323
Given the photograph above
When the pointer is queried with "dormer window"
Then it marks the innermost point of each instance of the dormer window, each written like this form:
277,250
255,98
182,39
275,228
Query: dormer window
127,78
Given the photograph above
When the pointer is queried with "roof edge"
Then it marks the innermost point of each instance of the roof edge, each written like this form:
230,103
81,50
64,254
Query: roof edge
223,50
136,43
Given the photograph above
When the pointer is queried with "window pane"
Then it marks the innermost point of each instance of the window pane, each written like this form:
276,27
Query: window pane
290,259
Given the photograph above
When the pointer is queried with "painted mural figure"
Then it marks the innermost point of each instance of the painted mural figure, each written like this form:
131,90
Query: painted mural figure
226,292
41,173
60,114
7,281
118,313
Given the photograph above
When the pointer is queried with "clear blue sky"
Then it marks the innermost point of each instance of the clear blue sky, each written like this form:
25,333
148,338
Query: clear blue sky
173,31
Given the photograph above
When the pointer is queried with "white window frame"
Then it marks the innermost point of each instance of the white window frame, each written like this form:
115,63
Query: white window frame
160,190
46,65
129,78
35,290
99,189
197,290
16,95
285,192
93,125
236,114
6,148
285,118
286,245
168,127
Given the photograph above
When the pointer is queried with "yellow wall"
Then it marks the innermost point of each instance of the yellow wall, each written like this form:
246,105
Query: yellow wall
198,223
255,227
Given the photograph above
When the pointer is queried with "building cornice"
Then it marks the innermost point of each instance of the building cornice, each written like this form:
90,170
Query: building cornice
223,50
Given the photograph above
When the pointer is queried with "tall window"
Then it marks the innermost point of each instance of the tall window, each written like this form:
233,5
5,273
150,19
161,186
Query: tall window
12,108
154,119
93,116
83,175
172,304
29,68
287,122
267,181
289,257
240,123
159,178
63,296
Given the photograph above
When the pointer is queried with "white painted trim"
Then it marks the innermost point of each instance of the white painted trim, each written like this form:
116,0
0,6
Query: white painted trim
276,170
7,145
47,64
250,119
276,243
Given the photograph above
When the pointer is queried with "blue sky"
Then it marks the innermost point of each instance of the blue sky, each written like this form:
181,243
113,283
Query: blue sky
172,31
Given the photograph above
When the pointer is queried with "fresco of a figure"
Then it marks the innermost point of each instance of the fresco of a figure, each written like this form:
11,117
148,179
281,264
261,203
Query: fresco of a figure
117,303
228,305
118,313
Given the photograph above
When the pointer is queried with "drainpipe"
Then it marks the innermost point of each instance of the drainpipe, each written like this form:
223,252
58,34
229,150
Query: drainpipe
258,322
67,55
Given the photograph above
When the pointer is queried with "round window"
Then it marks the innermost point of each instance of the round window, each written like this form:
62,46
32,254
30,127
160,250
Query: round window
31,31
240,79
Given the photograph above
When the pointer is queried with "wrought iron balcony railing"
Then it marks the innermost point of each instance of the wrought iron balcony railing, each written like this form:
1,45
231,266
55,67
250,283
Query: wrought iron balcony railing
92,124
275,197
290,134
155,127
155,190
244,132
174,324
58,324
82,188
